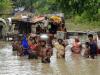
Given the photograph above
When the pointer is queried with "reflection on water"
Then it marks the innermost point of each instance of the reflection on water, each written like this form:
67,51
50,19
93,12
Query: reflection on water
11,64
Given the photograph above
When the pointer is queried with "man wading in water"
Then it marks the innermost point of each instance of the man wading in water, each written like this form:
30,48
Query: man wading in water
93,46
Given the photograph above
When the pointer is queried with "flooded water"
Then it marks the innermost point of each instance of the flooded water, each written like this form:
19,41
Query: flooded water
11,64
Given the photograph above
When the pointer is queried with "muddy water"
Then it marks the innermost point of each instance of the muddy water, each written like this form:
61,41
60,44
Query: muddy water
10,64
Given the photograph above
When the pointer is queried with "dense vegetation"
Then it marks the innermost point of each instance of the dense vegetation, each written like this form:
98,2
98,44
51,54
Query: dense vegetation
81,14
5,7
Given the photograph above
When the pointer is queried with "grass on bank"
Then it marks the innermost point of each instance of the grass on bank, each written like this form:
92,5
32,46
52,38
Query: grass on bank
82,25
88,26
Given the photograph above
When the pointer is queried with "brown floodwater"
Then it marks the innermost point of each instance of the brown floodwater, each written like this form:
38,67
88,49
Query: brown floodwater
11,64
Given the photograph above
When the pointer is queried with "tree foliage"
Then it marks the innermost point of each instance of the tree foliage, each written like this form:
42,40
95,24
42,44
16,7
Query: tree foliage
5,6
88,8
45,6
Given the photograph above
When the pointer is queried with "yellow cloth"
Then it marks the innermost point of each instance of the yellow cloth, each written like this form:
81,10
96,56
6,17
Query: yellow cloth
60,49
56,19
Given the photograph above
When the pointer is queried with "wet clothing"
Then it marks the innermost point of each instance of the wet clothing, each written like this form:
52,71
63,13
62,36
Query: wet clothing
46,54
98,45
86,51
33,47
25,43
33,51
93,49
60,50
25,46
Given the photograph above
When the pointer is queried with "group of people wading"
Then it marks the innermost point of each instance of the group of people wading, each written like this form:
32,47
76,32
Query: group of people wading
35,48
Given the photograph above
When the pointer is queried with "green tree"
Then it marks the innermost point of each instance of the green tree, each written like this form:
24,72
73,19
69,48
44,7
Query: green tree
45,6
5,7
78,7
